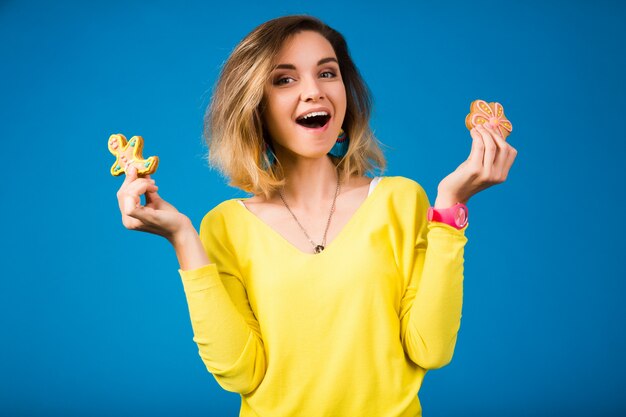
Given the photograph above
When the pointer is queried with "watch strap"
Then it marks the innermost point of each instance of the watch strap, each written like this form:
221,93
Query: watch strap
455,216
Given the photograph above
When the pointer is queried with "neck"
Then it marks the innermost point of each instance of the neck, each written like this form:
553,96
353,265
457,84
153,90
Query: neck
310,183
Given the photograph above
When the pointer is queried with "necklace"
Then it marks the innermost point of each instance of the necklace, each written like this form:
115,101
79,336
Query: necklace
317,248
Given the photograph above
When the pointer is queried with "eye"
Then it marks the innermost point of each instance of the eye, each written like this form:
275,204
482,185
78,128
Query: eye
283,80
328,74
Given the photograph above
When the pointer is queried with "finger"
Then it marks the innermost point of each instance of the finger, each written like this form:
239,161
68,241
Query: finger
152,196
139,186
477,153
478,147
128,203
132,223
131,198
509,161
504,150
149,178
490,148
129,192
494,131
499,130
141,214
131,174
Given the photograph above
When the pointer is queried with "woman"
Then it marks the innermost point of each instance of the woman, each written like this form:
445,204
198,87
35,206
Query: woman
327,293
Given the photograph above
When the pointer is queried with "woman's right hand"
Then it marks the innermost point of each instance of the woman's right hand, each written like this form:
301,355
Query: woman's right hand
157,216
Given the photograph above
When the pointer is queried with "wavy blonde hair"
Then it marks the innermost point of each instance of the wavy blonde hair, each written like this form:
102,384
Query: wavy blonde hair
233,124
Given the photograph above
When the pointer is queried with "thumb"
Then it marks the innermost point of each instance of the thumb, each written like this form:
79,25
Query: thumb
131,173
152,195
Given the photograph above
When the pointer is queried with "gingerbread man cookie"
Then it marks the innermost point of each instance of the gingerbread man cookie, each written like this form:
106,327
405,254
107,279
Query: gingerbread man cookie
130,153
492,113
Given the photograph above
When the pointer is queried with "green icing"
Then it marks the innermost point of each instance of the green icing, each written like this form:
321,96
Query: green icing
147,164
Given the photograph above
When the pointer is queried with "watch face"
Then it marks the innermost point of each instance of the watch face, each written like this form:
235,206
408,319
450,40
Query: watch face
460,217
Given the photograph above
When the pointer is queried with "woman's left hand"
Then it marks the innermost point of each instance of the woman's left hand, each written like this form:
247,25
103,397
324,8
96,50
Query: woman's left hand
489,162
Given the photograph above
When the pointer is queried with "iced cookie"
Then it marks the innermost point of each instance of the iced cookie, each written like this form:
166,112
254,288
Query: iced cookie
492,113
129,152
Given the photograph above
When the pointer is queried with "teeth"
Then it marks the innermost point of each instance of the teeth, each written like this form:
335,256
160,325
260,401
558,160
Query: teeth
315,113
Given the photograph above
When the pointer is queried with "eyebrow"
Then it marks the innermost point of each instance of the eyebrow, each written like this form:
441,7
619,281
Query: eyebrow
293,67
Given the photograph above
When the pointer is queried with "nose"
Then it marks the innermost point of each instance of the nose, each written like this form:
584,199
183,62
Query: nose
311,90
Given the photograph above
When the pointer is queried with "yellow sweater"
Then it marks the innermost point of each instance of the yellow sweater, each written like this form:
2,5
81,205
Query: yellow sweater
347,332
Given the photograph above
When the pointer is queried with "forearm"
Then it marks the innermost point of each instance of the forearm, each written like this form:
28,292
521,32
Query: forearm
224,328
229,348
446,199
435,314
189,250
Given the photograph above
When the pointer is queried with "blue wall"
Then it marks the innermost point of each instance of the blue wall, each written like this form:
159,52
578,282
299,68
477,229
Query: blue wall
93,316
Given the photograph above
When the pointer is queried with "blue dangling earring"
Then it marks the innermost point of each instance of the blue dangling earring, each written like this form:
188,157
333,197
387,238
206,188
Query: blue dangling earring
340,148
269,159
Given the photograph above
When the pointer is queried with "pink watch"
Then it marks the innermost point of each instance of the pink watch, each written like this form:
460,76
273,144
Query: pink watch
455,216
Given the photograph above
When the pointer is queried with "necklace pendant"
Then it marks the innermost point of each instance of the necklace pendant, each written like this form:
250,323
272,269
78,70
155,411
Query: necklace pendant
319,248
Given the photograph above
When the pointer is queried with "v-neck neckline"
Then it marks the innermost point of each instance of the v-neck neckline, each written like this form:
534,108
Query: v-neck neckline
331,245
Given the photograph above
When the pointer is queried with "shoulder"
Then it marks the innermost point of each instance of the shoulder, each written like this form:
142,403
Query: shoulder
404,197
216,219
404,185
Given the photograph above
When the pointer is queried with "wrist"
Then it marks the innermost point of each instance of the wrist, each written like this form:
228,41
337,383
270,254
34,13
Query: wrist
189,249
447,200
183,235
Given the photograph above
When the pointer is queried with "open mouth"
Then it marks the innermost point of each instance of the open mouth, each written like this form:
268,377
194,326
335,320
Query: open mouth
314,120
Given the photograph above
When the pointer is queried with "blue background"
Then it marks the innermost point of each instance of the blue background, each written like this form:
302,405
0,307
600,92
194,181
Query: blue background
93,316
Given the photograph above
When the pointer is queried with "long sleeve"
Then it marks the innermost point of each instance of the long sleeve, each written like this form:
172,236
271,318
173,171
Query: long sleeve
431,306
350,331
225,328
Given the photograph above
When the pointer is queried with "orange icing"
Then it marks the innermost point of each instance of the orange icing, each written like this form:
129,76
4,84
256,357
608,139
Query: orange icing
493,113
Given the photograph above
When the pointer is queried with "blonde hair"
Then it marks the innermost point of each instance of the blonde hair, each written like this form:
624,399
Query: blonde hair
233,124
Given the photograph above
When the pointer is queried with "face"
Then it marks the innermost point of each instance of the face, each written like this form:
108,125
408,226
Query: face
305,98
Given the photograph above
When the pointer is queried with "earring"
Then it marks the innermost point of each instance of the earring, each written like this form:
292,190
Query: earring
340,148
269,158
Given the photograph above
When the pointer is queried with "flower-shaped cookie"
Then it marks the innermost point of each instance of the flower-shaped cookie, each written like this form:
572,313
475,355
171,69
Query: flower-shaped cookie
492,113
130,153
